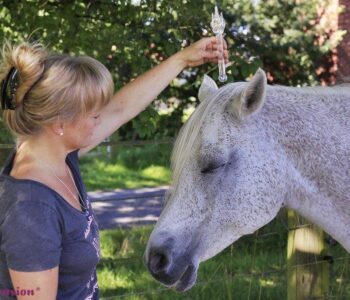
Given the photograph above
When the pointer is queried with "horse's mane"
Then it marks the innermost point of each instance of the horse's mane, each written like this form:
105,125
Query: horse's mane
187,138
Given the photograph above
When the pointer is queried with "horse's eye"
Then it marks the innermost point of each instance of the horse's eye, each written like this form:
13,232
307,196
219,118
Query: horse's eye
211,168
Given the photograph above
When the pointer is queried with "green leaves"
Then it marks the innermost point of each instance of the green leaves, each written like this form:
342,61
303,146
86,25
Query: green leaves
146,123
131,36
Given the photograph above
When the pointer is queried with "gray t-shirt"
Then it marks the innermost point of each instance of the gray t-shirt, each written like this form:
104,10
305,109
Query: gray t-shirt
40,230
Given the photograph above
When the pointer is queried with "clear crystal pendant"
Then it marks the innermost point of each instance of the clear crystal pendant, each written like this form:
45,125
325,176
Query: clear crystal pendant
218,26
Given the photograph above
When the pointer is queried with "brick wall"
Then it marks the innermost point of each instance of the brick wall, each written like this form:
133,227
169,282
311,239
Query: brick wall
328,21
343,50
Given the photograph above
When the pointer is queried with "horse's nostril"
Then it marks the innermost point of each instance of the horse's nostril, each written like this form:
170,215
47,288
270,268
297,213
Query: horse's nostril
158,261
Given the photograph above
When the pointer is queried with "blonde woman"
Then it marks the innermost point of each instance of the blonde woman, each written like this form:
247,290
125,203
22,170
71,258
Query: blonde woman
60,107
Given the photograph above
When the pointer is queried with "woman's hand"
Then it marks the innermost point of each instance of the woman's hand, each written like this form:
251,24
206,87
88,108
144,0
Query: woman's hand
202,51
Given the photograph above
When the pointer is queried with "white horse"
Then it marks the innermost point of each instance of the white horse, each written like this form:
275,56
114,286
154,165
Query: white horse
248,150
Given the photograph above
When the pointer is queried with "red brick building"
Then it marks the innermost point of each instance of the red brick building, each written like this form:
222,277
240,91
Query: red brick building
343,50
335,17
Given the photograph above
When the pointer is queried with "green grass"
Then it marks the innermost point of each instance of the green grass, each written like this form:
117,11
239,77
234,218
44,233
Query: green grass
127,167
252,268
101,175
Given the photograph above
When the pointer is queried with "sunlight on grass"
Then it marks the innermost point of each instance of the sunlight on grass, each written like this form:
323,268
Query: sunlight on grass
99,175
266,282
157,173
116,280
127,167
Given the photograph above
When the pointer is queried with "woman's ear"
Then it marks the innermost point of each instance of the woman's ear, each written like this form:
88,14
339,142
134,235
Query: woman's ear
57,127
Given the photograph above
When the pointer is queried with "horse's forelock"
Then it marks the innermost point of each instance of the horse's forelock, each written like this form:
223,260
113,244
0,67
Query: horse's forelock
187,140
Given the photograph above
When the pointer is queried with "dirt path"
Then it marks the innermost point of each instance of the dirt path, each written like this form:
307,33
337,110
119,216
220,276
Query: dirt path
127,208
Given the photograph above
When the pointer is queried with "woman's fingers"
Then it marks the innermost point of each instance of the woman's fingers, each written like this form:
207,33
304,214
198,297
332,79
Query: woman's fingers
214,46
215,60
226,54
225,44
215,54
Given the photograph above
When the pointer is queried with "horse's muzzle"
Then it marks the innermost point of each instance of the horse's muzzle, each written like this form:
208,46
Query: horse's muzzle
168,267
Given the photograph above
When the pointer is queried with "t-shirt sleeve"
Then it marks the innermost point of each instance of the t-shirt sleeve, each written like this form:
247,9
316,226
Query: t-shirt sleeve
31,237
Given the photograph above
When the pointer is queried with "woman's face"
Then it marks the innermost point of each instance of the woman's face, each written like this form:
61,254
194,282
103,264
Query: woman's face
78,133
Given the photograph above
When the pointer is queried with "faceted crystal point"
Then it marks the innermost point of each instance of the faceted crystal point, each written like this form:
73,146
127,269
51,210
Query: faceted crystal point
216,11
218,26
217,22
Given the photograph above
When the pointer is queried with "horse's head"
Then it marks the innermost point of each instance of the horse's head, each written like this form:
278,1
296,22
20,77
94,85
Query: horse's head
227,181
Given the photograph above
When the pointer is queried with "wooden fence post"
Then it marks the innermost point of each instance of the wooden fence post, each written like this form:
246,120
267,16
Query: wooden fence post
308,273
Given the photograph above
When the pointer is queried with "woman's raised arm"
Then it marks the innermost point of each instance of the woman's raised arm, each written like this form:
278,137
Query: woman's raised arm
134,97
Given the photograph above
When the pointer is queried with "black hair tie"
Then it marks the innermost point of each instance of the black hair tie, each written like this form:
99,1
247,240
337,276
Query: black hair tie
8,89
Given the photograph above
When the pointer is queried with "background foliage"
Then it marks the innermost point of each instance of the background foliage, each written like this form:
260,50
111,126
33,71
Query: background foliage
131,36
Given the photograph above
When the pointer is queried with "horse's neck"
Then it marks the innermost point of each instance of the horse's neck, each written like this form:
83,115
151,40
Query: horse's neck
313,131
314,135
316,128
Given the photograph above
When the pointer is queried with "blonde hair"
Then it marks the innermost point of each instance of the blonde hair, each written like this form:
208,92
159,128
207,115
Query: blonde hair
52,86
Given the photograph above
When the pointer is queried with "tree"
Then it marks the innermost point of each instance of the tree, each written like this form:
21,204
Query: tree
131,36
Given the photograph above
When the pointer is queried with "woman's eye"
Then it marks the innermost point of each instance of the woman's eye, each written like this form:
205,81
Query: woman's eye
96,117
211,168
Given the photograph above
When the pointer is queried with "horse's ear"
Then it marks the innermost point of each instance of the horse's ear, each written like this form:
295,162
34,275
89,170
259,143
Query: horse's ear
252,97
207,88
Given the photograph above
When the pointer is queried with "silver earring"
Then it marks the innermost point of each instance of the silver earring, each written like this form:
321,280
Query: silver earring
61,133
